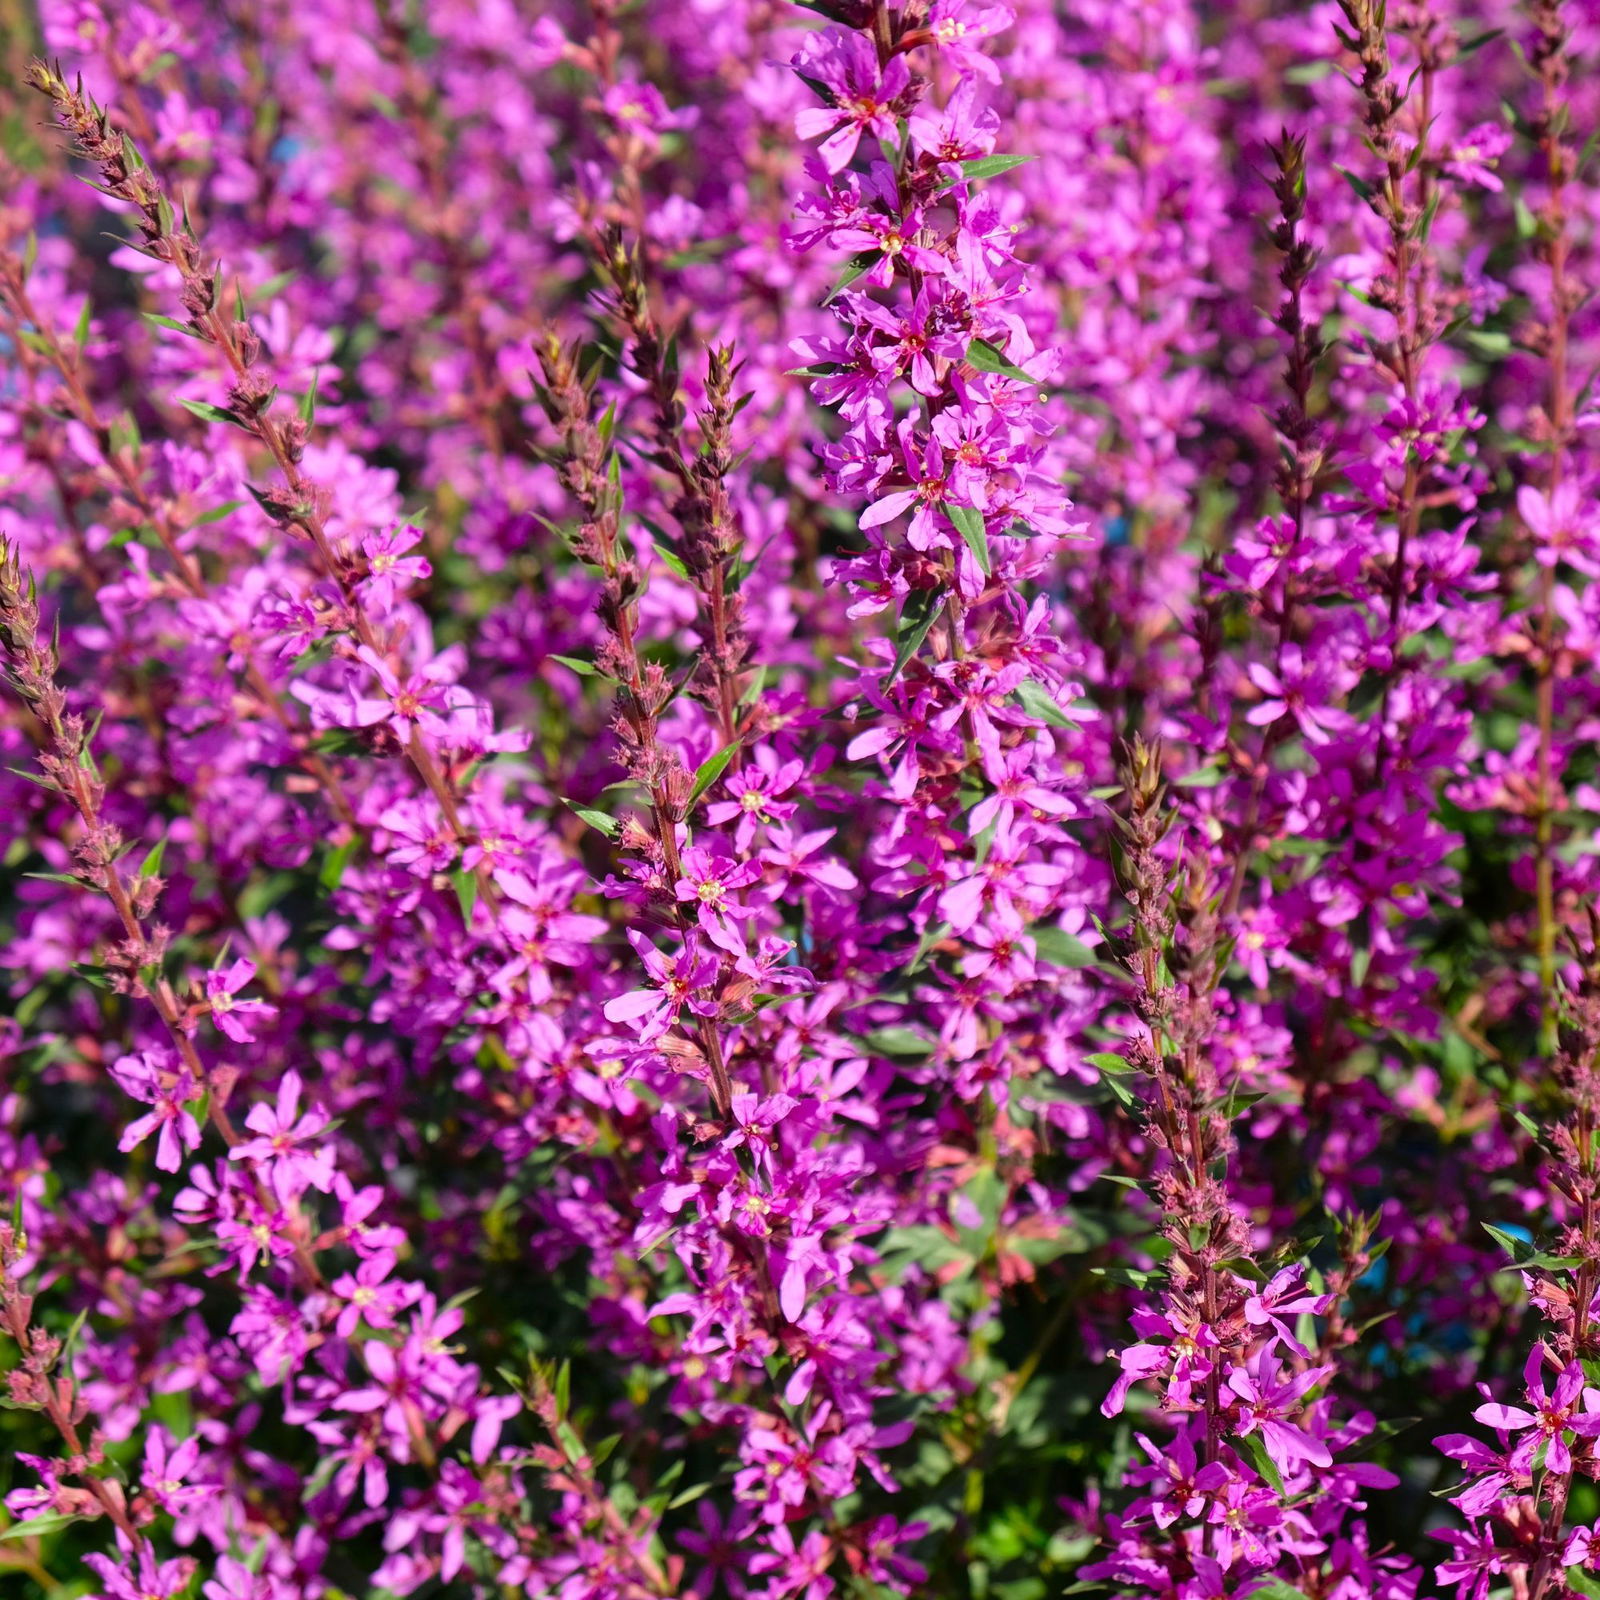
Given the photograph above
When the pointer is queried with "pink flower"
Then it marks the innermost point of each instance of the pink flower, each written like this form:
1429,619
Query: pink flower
1570,1408
157,1078
230,1013
1268,1403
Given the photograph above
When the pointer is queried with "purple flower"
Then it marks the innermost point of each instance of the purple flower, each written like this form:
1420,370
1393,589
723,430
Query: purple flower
231,1014
1570,1408
157,1078
1269,1400
846,67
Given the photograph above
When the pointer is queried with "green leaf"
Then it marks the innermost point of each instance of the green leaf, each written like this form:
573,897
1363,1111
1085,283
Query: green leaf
931,935
308,405
992,166
1363,189
268,291
758,682
34,1526
1268,1468
1108,1061
1202,778
672,562
969,524
684,1496
853,269
898,1042
984,357
1581,1581
217,513
123,435
333,864
80,334
175,326
584,669
1519,1250
466,887
1472,46
1489,341
600,821
1130,1277
711,769
1038,702
916,618
1275,1588
1060,948
152,862
210,413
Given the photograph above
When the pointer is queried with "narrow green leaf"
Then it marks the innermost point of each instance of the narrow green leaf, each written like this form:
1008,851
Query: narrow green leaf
916,618
466,887
333,864
969,523
174,325
711,769
1107,1061
49,1522
1581,1581
672,562
1363,189
1517,1249
600,821
1268,1468
210,413
308,405
992,166
984,357
1060,948
1038,702
152,862
853,269
217,513
931,935
584,669
1472,46
80,334
898,1042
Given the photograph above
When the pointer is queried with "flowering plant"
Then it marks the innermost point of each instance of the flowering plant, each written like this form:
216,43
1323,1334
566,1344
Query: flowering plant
803,799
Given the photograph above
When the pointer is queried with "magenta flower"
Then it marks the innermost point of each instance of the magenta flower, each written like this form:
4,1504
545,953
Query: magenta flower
678,978
157,1078
1269,1401
389,568
1284,1296
231,1014
1303,690
864,100
140,1576
283,1135
167,1466
1570,1408
1181,1485
1564,524
709,883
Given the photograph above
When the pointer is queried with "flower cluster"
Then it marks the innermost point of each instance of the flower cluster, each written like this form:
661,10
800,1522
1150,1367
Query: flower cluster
803,799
